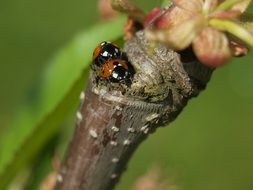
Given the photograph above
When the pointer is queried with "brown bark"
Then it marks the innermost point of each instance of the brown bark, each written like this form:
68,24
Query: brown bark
114,118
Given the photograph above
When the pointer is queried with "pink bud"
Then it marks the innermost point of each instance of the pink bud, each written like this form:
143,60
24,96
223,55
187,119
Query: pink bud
212,47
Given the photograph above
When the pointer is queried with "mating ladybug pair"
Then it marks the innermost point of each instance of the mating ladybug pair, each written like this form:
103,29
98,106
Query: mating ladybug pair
111,63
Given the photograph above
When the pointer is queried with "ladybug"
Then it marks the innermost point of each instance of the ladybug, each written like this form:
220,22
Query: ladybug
116,70
105,51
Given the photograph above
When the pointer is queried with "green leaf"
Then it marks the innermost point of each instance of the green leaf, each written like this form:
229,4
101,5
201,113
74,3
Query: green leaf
236,29
38,120
165,3
43,133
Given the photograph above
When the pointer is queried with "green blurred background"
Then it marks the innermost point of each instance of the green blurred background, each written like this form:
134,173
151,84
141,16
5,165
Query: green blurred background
209,146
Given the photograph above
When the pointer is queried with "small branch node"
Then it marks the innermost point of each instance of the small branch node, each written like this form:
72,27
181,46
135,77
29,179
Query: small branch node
82,96
143,128
59,178
115,129
115,160
131,130
113,143
146,131
93,133
79,116
126,142
118,108
113,176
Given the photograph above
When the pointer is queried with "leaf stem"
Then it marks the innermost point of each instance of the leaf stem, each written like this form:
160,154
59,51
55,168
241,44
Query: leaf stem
233,28
227,5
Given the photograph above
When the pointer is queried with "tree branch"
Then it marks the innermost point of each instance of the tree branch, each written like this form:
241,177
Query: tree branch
114,118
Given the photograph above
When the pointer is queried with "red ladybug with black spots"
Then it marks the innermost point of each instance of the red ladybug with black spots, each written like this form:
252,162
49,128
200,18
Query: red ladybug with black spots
112,64
105,51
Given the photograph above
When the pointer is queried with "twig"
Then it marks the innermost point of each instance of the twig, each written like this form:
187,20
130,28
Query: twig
130,9
115,118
